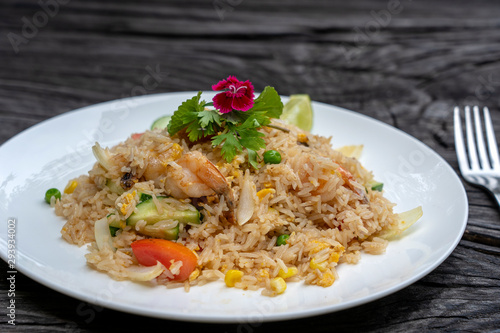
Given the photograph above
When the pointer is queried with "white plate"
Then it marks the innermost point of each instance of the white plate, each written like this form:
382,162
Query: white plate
50,153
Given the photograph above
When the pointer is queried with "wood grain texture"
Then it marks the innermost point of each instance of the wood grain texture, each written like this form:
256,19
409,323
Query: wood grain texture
407,71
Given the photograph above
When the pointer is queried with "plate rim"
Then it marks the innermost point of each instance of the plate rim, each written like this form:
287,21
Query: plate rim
269,317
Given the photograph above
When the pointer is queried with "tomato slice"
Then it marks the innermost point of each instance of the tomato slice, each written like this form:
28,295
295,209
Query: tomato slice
148,251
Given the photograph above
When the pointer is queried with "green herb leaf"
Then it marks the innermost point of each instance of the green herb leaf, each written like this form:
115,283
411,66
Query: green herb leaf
256,120
194,131
235,117
185,114
206,117
251,139
239,129
230,145
270,102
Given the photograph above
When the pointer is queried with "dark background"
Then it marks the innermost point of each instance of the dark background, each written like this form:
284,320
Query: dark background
406,63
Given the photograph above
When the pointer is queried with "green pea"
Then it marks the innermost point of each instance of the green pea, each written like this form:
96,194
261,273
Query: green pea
272,157
53,192
282,239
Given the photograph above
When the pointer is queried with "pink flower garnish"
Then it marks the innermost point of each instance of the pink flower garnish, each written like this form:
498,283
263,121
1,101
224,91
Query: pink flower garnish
237,95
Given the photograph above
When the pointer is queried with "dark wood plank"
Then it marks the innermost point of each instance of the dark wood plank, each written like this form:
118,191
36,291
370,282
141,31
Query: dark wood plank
409,71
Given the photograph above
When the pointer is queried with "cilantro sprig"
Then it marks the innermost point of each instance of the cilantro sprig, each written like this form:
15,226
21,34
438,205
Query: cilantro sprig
233,131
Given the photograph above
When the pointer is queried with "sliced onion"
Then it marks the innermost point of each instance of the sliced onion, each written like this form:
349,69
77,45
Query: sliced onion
102,234
351,151
144,273
408,218
246,203
159,229
405,220
102,156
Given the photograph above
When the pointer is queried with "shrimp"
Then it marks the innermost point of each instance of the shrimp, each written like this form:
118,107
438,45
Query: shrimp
347,177
195,176
191,176
307,163
157,163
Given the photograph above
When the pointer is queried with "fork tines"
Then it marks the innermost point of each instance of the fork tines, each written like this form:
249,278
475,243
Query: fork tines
476,156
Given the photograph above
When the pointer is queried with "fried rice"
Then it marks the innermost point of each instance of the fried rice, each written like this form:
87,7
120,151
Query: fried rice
318,196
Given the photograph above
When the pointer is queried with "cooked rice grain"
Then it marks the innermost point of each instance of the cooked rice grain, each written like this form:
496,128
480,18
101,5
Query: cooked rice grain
330,218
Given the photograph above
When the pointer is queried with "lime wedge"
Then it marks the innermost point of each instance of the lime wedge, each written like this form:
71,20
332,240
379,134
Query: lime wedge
161,123
298,111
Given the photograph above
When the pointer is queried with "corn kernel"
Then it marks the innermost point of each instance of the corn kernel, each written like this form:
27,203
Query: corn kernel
302,137
268,184
292,271
263,193
278,285
232,277
327,280
314,265
71,187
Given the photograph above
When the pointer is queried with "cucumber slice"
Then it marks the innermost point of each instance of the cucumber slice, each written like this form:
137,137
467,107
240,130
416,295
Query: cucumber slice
147,211
115,223
156,232
114,187
161,123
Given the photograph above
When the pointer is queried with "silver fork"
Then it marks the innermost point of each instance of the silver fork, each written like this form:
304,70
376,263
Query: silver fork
479,165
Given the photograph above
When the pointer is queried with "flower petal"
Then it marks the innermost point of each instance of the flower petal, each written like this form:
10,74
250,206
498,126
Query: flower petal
222,102
242,103
250,89
224,84
238,95
221,85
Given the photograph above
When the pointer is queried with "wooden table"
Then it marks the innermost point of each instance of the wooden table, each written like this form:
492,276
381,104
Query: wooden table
406,63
